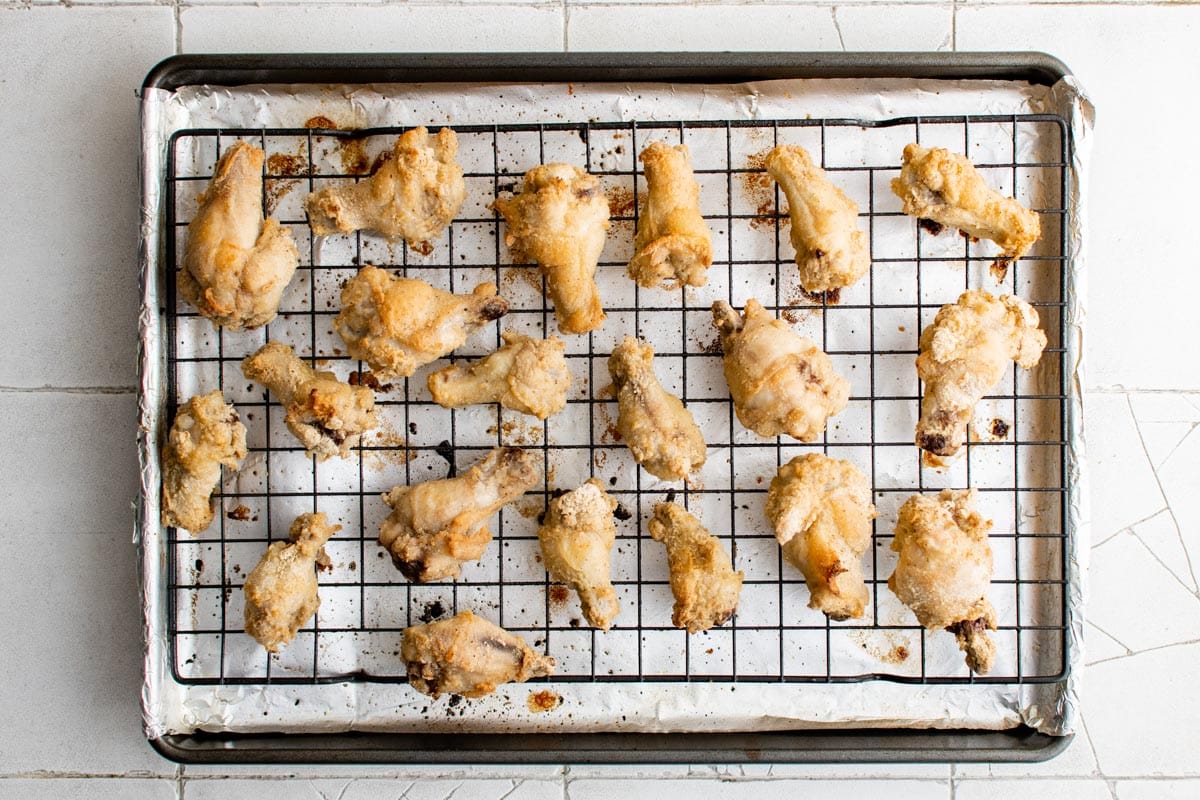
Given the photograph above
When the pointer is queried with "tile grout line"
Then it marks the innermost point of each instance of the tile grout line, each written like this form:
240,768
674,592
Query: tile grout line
178,14
117,390
566,13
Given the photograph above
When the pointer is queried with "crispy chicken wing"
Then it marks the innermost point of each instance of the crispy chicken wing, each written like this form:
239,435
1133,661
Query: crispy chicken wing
831,251
673,243
281,591
945,187
412,196
436,526
399,324
702,578
577,538
327,415
236,264
945,569
559,220
525,375
780,381
468,656
661,433
821,511
205,436
963,354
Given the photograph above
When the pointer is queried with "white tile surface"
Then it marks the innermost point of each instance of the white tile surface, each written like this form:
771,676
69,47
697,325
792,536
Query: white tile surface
1158,790
742,27
87,789
762,790
370,789
1123,484
1004,790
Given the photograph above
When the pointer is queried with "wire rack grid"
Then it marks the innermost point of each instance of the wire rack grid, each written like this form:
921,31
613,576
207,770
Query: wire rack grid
1015,456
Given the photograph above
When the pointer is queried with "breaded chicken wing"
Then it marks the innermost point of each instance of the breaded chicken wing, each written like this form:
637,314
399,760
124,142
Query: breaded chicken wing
821,511
236,264
577,538
469,656
436,526
673,243
205,436
780,381
327,415
661,433
703,582
945,569
412,196
831,250
559,220
525,375
945,187
281,591
963,354
399,324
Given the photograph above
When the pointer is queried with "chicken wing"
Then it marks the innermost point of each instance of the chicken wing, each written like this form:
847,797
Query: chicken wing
327,415
945,187
831,250
821,511
236,264
205,436
963,355
780,381
436,526
703,582
525,375
281,591
559,220
399,324
673,243
660,431
945,569
469,656
412,196
577,538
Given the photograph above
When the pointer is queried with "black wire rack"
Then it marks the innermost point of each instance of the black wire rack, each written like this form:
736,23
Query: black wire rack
1015,457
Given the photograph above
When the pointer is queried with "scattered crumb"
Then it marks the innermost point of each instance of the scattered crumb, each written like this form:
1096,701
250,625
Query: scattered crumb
621,202
325,123
999,269
433,610
240,513
558,594
545,700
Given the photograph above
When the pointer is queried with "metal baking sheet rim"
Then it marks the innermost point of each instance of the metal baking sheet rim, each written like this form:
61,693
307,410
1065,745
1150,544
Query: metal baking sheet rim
1052,713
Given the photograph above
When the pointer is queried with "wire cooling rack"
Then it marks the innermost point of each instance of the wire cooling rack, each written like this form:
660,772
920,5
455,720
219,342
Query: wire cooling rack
1015,457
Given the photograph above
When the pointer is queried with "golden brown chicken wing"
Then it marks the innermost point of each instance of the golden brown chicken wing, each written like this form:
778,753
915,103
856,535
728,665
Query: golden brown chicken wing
577,538
412,196
281,591
236,264
821,511
831,251
436,526
945,569
780,381
327,415
399,324
703,582
662,434
525,375
468,656
559,220
963,355
205,436
673,243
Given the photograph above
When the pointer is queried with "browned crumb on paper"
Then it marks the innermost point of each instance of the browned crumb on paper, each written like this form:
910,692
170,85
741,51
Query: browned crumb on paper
368,379
353,152
543,701
621,202
324,123
829,298
999,268
558,594
240,513
759,190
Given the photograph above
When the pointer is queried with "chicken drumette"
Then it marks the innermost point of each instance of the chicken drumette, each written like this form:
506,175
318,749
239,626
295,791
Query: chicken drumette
577,538
399,324
703,582
236,264
205,436
327,415
412,196
673,243
559,220
525,375
780,381
963,354
281,591
945,569
821,511
469,656
436,526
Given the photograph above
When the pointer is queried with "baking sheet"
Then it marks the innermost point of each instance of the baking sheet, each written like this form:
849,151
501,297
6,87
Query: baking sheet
742,704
